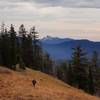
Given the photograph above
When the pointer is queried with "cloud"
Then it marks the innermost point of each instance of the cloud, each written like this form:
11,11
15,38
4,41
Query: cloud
70,3
54,16
62,3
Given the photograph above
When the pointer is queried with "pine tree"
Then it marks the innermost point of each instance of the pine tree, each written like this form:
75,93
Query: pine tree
70,76
79,64
0,52
60,74
94,61
19,55
47,66
27,47
22,30
5,49
37,51
24,48
62,71
22,41
13,46
91,82
95,71
35,40
29,51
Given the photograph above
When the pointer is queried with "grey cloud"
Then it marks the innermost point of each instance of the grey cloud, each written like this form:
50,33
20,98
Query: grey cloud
62,3
71,3
7,5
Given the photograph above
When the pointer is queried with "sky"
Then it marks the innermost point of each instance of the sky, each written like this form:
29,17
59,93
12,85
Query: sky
78,19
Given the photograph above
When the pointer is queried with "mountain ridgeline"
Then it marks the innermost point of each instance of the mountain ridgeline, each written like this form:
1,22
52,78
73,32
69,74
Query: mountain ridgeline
61,48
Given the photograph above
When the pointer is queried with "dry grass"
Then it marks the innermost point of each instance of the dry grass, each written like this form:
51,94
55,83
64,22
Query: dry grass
18,86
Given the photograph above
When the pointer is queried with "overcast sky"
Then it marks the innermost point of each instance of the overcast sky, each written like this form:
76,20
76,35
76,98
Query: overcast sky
63,18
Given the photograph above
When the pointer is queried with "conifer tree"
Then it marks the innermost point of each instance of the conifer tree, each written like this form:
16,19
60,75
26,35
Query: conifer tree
22,30
5,49
80,67
19,55
94,61
24,48
70,76
95,71
91,82
59,73
13,46
29,51
0,52
62,71
27,47
22,39
47,66
36,49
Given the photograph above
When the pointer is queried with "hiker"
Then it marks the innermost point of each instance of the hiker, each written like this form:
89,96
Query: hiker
34,82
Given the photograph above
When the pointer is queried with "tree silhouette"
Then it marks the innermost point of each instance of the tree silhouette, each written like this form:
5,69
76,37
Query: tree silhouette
80,67
94,72
91,82
13,46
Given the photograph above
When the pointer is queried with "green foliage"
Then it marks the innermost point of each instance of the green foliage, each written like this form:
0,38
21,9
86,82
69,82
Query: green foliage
70,76
80,67
27,51
5,50
81,73
13,47
62,71
91,82
95,78
37,59
47,64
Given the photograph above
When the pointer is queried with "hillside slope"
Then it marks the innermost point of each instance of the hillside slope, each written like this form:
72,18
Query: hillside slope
18,86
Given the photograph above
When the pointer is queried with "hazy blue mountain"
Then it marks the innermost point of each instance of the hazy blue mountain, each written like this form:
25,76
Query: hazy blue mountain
60,48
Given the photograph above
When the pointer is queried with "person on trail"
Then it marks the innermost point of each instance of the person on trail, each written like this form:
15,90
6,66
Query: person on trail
34,82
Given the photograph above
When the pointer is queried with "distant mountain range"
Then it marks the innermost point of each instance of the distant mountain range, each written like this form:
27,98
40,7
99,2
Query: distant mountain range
61,48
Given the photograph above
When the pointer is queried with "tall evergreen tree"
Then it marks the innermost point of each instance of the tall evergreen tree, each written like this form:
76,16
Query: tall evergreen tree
91,82
79,64
22,30
29,51
37,57
22,41
13,46
27,47
47,65
5,49
95,71
62,71
24,48
70,76
0,50
94,61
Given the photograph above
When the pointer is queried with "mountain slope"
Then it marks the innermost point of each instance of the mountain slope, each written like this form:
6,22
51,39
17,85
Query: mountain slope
18,86
62,48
